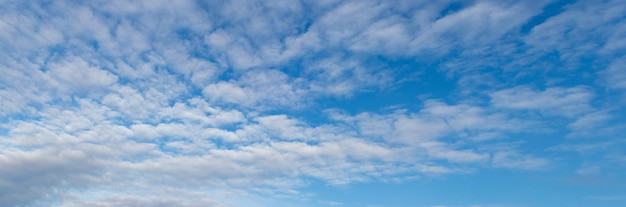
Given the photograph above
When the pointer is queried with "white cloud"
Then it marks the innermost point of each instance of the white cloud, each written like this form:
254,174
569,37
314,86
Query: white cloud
24,33
152,103
615,42
511,159
346,21
11,102
75,75
590,120
445,132
588,170
130,40
282,127
578,30
480,24
22,88
258,89
441,151
614,75
128,101
593,124
339,76
551,101
198,110
437,120
229,93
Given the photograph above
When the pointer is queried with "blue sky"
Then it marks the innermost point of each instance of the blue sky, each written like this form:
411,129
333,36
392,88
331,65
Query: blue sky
313,103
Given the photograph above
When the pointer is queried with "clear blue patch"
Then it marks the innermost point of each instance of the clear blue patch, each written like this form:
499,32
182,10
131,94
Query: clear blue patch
451,8
414,84
4,132
95,45
486,187
550,10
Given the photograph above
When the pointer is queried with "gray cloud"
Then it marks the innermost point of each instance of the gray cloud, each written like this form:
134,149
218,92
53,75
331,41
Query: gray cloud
29,176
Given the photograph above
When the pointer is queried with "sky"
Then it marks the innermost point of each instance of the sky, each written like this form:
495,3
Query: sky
287,103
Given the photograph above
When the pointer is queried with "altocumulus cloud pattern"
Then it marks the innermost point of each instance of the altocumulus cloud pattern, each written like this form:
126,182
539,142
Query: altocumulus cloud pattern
312,103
